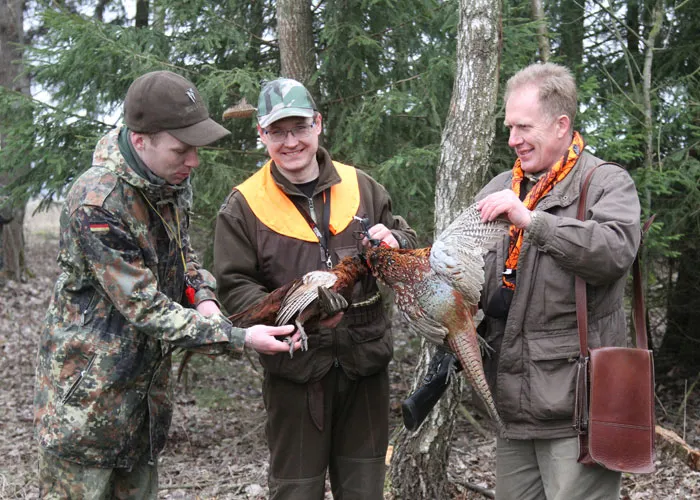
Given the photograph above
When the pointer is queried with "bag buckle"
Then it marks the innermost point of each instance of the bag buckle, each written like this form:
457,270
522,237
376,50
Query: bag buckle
581,404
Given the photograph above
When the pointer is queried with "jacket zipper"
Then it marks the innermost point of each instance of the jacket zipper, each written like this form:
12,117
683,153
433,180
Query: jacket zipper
78,381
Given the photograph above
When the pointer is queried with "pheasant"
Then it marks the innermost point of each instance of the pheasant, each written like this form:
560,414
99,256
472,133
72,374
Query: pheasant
315,295
437,289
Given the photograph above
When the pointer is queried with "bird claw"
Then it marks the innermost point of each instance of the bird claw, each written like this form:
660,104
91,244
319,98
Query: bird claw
451,370
302,337
486,349
288,340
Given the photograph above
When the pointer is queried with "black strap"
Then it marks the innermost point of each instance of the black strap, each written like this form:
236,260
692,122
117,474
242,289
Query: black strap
324,233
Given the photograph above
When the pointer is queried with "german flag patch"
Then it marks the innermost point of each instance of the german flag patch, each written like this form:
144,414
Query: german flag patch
99,228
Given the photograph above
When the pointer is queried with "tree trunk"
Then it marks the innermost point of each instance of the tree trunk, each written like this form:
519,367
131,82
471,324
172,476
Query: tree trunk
141,18
420,458
542,38
658,17
11,38
296,40
632,30
572,15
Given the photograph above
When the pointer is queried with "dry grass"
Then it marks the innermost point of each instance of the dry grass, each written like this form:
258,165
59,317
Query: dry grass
217,446
41,225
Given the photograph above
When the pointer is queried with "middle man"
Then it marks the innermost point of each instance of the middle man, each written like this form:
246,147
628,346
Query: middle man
328,407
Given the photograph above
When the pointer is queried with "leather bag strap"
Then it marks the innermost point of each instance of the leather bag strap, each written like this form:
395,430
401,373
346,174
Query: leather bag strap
639,317
580,285
639,322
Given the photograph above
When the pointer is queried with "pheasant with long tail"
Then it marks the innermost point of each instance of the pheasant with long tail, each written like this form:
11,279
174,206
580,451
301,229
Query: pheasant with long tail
438,288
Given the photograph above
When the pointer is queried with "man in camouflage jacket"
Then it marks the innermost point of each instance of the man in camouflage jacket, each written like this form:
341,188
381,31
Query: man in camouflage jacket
131,290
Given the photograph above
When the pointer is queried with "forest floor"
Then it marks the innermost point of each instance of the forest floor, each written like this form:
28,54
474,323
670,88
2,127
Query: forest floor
217,445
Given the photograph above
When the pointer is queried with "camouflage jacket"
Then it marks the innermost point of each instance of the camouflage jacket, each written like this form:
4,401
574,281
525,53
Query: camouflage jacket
103,393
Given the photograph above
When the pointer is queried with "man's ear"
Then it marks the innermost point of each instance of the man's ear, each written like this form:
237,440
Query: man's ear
563,125
137,140
261,134
319,123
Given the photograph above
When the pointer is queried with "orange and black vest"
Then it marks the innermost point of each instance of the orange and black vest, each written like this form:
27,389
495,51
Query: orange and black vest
273,208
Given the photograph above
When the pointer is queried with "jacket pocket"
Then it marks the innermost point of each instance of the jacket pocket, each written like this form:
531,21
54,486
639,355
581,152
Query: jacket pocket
297,369
557,285
88,311
371,346
552,375
78,380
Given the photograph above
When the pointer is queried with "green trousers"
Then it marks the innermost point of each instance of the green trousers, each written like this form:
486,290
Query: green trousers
61,479
335,424
537,469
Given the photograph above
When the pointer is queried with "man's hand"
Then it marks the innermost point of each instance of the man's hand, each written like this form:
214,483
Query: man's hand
262,338
382,233
505,203
208,308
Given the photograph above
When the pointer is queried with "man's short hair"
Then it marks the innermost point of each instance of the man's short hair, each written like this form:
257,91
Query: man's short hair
162,101
556,84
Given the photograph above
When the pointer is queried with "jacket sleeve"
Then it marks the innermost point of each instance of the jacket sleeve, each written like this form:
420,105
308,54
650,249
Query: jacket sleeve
235,258
600,249
114,260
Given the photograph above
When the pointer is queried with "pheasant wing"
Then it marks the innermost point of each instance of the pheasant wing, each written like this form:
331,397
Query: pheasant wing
419,322
304,293
457,253
427,328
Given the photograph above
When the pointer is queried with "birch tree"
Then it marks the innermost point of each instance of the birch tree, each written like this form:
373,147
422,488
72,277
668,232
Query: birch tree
542,35
419,465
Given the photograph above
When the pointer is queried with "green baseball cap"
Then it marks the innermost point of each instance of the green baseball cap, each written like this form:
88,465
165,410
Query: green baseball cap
282,98
164,101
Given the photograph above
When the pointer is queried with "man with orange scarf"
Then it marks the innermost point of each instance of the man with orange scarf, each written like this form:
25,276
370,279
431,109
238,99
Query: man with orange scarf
528,297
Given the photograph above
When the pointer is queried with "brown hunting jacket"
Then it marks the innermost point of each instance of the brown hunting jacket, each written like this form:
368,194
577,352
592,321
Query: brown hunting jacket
531,372
251,260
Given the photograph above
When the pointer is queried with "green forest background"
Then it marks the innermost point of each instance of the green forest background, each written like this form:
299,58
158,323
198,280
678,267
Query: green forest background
384,72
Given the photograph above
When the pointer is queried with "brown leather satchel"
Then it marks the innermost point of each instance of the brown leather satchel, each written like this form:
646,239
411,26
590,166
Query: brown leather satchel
614,413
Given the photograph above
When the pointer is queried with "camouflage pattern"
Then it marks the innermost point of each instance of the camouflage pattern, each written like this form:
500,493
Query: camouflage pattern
103,394
282,98
60,479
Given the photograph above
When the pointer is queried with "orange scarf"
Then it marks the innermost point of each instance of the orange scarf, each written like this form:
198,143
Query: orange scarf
543,186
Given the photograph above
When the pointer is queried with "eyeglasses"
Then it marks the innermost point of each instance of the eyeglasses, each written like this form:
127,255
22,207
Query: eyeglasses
300,132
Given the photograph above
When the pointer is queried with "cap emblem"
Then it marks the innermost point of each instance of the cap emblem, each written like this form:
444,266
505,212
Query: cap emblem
190,94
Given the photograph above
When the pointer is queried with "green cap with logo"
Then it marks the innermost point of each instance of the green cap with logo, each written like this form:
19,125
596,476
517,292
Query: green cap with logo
282,98
164,101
